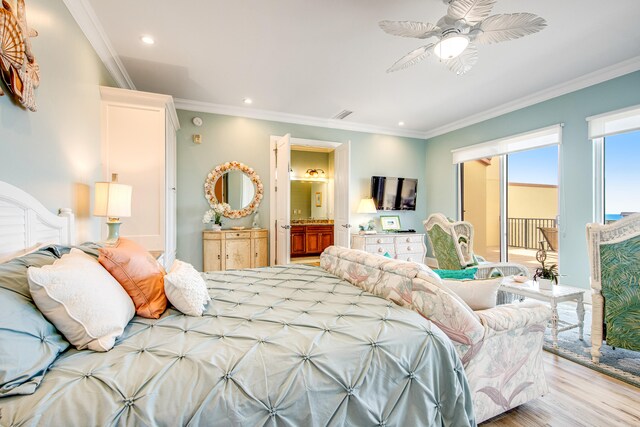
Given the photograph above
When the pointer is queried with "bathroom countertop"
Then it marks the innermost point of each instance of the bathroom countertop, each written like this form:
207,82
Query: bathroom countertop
311,222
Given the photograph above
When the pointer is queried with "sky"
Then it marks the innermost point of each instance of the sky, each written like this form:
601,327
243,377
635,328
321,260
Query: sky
621,176
539,166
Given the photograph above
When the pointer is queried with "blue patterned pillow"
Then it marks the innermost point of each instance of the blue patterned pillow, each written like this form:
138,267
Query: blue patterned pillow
466,274
34,342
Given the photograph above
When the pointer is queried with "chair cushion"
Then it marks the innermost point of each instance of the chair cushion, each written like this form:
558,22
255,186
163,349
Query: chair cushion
29,342
82,300
466,274
139,274
478,294
186,289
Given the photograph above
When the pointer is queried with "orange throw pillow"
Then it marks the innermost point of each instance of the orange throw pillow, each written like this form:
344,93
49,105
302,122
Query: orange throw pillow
139,274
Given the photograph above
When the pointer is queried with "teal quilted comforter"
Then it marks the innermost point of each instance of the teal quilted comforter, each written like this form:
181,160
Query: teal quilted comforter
289,346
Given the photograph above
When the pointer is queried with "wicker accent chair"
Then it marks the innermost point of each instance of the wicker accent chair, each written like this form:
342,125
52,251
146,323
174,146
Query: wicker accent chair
451,243
614,256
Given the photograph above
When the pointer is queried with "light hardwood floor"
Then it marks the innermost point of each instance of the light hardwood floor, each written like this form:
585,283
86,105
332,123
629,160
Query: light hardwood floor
578,396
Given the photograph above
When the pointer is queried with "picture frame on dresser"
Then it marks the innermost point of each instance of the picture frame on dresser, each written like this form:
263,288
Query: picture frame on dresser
390,222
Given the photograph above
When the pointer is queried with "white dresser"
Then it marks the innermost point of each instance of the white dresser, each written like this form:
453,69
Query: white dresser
402,246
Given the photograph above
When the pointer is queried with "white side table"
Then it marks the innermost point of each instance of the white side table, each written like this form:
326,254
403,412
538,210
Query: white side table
554,296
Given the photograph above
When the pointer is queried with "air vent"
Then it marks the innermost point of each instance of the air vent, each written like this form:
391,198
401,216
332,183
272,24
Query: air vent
342,114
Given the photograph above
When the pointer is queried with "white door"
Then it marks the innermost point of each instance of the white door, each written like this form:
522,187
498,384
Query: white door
283,205
342,226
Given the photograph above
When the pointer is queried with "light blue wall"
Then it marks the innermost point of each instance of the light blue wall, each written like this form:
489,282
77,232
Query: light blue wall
575,160
54,153
227,138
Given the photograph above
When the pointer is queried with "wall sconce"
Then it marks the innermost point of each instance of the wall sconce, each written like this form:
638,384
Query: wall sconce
314,173
197,138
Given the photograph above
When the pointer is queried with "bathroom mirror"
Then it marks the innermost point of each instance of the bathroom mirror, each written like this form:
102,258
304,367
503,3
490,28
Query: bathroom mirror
236,184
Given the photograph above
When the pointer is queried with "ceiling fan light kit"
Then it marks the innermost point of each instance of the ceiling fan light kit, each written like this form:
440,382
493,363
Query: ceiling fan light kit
466,24
451,45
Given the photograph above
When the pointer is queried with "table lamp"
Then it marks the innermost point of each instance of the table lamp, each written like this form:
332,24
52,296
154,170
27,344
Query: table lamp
112,200
367,206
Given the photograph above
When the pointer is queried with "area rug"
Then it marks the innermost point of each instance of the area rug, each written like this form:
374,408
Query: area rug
619,363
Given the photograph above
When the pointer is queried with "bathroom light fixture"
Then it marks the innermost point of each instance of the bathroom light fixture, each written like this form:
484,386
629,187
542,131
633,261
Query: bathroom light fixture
147,40
314,173
400,124
248,101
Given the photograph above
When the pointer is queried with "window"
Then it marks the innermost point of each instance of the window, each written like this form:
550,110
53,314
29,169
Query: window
621,175
616,141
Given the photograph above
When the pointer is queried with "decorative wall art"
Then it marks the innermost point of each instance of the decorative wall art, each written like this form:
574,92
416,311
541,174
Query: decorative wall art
18,66
318,199
216,177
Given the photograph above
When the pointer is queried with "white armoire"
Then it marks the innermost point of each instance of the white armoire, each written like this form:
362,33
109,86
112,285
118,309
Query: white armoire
139,144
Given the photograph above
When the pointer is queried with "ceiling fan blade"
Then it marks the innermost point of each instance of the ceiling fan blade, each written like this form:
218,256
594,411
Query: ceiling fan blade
412,58
465,61
472,11
418,30
500,28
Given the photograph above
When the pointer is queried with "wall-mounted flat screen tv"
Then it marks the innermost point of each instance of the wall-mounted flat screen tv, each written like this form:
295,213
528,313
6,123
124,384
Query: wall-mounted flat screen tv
394,194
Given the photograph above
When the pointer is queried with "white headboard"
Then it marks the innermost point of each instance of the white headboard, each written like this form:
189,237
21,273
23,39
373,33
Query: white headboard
25,223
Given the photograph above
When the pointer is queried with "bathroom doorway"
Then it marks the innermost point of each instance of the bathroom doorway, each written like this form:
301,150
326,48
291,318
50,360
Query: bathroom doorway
312,202
316,175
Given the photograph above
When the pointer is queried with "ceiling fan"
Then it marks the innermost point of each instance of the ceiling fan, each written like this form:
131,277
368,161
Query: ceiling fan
466,23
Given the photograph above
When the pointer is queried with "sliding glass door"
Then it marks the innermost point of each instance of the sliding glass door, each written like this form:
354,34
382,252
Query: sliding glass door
532,205
509,193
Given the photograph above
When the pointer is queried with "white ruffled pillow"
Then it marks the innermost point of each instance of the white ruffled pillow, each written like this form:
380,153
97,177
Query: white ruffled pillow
186,289
82,300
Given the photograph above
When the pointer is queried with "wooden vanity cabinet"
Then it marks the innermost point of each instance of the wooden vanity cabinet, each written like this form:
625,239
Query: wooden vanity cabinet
310,239
234,249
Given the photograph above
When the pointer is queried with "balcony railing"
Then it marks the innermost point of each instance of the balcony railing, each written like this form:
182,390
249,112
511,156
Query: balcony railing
525,232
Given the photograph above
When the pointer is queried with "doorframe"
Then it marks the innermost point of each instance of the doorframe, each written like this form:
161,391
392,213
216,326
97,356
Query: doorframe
273,139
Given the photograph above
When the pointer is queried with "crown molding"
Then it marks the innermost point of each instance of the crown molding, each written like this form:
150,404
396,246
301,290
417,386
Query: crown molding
593,78
88,22
230,110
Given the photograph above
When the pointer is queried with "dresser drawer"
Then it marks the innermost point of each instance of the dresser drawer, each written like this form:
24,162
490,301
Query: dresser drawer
415,257
238,235
410,239
409,248
380,240
380,249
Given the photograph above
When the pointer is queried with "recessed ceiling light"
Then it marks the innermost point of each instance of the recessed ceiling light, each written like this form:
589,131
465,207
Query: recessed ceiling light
248,101
147,40
400,123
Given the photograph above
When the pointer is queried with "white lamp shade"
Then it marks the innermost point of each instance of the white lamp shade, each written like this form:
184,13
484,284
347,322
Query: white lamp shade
367,206
112,200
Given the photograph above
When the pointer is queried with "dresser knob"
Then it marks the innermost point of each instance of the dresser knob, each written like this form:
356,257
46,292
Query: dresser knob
379,240
409,259
379,249
408,239
409,248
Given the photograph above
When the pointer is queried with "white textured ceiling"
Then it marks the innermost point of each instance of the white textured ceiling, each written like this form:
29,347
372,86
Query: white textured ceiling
318,57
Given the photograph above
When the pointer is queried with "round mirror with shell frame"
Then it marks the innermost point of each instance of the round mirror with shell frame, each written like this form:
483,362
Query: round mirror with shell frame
215,179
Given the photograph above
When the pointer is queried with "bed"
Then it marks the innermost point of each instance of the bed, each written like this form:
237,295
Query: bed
291,345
